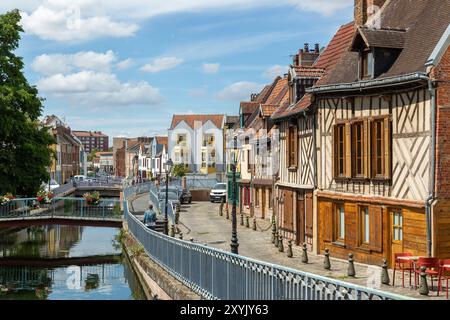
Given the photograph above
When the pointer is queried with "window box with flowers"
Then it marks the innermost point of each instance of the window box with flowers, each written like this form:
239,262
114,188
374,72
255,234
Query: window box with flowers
4,200
92,199
44,197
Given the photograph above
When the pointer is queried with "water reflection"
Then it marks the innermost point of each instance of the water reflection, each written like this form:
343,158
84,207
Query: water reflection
32,259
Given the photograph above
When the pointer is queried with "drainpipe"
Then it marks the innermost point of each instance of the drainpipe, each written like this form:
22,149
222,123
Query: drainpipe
431,196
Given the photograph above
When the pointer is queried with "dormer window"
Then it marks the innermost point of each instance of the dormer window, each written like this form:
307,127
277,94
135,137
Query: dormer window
378,50
367,64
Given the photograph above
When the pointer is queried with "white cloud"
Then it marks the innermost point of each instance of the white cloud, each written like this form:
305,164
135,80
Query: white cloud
160,64
49,64
274,71
125,64
91,88
239,91
68,25
211,68
81,20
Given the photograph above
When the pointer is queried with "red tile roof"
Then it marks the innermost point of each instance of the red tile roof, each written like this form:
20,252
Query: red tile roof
190,119
162,140
249,107
324,65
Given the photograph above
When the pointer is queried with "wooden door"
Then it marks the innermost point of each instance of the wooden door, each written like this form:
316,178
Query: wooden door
300,215
396,232
263,203
288,221
309,228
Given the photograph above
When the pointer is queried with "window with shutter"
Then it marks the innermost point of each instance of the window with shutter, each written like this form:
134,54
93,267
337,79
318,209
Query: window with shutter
364,226
292,150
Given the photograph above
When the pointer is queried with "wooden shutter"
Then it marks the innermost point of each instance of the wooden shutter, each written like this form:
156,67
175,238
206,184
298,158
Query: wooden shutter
348,150
366,149
334,152
288,146
376,228
309,215
295,142
327,223
387,147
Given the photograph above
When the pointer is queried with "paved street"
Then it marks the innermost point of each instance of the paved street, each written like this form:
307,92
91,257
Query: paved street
200,221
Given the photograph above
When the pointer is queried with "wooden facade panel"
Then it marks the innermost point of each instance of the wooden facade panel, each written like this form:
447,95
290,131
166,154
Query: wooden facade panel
414,232
410,145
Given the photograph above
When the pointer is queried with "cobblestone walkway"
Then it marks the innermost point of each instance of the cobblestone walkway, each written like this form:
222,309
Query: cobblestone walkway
201,221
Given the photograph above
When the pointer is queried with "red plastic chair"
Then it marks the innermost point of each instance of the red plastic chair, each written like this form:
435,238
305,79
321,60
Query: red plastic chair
432,269
403,265
444,274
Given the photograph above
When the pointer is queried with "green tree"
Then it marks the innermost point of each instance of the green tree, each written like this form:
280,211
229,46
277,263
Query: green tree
91,155
25,147
179,170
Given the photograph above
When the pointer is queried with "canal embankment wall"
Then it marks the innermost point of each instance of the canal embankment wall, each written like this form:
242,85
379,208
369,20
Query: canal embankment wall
156,282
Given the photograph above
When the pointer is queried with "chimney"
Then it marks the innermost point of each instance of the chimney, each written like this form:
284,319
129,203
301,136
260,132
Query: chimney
307,57
364,9
306,47
316,48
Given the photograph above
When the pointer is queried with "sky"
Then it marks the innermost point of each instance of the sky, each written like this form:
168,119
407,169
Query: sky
125,67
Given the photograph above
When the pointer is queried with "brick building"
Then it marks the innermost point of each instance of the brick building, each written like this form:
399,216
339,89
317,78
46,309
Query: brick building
93,140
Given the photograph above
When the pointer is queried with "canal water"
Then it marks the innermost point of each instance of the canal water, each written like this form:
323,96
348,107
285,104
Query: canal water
65,262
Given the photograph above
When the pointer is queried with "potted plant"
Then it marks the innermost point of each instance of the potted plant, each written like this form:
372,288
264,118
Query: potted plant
92,199
44,197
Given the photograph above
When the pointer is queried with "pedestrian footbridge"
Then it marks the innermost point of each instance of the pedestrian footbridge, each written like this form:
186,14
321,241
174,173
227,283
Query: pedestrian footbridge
64,211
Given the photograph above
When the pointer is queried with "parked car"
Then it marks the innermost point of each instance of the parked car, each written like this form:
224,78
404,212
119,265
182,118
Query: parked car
53,185
173,189
219,192
172,197
186,196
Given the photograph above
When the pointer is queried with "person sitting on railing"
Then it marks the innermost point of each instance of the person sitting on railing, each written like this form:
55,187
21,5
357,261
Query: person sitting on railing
150,217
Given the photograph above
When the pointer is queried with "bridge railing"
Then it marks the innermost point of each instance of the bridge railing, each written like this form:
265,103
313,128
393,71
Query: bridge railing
61,208
217,274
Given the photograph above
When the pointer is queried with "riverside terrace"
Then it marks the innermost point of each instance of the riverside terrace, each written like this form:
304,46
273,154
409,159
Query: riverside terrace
211,272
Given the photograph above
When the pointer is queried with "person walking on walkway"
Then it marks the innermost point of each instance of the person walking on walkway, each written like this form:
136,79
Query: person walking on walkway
150,217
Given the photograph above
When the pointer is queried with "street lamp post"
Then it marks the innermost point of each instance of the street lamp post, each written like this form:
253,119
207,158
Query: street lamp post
234,240
169,165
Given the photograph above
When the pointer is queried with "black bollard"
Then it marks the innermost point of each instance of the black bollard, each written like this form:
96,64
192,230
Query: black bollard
423,289
221,208
181,235
280,244
304,253
274,230
384,273
172,230
192,240
351,267
254,224
228,214
276,240
242,219
326,261
289,250
247,222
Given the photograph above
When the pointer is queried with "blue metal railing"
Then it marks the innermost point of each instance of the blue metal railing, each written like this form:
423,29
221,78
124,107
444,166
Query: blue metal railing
66,207
217,274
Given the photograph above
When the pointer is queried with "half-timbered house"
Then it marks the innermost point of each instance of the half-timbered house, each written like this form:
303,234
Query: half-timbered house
381,154
296,122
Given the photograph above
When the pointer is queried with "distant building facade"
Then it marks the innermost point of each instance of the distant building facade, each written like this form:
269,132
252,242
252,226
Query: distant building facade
93,140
